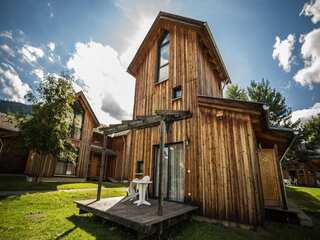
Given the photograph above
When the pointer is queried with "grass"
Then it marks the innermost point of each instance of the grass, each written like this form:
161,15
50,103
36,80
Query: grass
19,183
306,198
53,215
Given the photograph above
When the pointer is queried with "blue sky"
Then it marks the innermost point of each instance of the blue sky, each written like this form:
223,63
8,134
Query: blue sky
95,40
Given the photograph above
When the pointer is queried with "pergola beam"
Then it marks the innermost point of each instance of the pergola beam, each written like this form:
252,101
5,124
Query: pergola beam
164,118
147,121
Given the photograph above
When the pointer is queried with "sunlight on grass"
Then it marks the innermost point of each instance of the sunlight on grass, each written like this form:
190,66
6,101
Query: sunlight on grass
53,215
49,215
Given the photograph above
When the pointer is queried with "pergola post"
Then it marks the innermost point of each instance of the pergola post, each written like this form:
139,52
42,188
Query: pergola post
161,161
102,166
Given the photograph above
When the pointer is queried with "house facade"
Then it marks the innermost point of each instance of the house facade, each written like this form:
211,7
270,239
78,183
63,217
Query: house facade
226,157
84,122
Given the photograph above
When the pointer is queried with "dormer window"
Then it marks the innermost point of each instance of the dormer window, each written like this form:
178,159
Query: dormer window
163,58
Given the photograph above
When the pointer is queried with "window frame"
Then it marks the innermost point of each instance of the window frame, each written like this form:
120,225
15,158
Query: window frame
161,45
175,89
73,129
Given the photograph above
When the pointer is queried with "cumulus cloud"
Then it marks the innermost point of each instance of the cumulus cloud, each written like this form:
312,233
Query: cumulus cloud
51,46
105,78
109,105
6,34
312,9
310,52
282,51
30,54
11,86
8,50
140,15
38,72
307,113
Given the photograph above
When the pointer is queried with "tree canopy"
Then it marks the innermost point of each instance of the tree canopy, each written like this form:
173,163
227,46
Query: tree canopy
236,93
311,132
47,130
279,112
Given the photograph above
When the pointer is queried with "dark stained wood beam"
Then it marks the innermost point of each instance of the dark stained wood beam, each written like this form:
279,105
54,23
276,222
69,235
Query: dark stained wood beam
102,167
147,121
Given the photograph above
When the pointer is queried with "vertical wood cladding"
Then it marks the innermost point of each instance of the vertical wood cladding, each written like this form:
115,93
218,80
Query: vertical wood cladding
220,159
228,167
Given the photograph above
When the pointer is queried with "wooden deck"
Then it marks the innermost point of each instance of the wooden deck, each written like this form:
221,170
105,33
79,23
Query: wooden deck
143,219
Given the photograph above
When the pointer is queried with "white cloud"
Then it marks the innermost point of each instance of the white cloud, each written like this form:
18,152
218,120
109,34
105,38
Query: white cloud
135,40
51,46
140,15
11,86
307,113
105,80
7,50
282,51
6,34
312,9
38,72
31,54
310,52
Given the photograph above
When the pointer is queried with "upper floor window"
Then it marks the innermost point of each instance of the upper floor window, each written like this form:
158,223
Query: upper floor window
163,58
77,123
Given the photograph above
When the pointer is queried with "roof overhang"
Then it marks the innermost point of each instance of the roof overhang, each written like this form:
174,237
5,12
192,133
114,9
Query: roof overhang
200,26
86,103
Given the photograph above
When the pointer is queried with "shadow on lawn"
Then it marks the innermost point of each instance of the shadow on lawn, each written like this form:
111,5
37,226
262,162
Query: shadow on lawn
19,183
304,200
98,227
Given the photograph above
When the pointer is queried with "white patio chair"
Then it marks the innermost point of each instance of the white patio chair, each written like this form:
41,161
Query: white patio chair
132,192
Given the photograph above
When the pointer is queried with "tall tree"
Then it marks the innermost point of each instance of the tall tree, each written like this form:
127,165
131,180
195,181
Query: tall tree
47,130
311,132
236,93
280,114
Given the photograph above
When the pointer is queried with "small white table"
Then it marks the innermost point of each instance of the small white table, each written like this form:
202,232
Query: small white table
142,188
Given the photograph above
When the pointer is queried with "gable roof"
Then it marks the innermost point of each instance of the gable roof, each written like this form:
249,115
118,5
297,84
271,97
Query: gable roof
201,26
81,96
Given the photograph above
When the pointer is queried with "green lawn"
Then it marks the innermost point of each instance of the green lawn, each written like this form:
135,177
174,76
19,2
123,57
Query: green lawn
9,183
53,215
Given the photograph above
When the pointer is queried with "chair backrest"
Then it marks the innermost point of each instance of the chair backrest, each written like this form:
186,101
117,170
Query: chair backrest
146,178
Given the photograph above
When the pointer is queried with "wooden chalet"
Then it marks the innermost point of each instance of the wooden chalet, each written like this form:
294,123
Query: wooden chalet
117,167
305,169
224,157
84,122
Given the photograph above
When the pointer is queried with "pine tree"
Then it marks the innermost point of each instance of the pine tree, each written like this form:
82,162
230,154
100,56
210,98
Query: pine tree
236,93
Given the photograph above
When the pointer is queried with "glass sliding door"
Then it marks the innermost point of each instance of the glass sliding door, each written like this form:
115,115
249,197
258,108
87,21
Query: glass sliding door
176,173
173,172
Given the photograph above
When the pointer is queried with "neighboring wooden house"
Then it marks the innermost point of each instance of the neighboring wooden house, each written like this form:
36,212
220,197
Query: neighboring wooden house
84,122
225,158
305,171
118,165
13,155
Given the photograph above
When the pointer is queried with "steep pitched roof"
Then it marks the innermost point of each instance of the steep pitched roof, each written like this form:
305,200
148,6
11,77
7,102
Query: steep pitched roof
81,96
201,26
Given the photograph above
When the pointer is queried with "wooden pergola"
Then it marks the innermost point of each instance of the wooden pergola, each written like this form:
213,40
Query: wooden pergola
164,119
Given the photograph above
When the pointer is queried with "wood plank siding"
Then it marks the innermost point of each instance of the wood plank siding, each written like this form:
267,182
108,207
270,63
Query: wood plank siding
221,168
228,166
